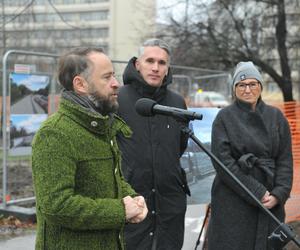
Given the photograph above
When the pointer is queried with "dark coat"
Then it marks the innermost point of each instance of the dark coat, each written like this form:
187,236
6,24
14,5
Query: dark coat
150,163
236,221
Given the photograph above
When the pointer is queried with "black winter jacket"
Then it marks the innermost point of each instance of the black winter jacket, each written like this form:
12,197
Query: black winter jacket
151,164
236,221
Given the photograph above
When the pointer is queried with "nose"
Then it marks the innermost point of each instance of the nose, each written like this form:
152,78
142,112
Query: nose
247,88
155,66
115,83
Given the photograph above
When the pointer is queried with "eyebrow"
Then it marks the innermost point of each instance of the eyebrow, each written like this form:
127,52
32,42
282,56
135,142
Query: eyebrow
162,61
108,73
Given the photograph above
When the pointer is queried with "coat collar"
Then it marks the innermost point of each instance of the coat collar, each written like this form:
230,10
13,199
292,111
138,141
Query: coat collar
93,121
247,106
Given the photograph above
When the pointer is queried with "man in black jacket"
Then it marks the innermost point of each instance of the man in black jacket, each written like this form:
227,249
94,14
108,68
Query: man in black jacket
151,157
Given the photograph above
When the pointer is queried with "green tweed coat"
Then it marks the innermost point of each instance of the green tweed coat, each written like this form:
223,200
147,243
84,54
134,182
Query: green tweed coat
78,183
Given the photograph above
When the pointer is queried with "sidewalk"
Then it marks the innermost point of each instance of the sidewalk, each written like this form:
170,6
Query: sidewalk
25,242
193,222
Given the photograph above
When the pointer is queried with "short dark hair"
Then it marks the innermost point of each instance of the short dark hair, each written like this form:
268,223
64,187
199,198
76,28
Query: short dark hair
73,63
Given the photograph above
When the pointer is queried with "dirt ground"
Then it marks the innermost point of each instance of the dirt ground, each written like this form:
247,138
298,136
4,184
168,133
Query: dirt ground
19,180
19,185
296,228
11,227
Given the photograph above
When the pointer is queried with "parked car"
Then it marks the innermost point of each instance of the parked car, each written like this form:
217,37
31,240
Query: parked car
209,99
194,161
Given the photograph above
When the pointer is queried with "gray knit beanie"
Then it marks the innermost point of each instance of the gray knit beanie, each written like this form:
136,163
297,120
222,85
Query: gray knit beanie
245,70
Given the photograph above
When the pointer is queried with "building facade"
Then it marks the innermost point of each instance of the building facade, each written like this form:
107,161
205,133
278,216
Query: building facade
56,25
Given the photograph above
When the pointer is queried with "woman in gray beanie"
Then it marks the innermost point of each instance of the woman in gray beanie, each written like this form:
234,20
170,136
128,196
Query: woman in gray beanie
253,141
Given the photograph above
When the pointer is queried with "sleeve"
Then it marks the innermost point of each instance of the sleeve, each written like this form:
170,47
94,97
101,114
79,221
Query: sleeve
54,169
126,132
221,148
126,187
183,142
284,163
184,137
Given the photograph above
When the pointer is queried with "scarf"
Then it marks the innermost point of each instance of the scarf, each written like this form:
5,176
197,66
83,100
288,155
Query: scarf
83,101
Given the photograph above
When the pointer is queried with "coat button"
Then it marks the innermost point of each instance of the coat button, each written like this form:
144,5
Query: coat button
153,190
94,124
151,233
153,212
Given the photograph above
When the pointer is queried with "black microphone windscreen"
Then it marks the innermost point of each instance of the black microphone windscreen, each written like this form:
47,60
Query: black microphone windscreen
144,106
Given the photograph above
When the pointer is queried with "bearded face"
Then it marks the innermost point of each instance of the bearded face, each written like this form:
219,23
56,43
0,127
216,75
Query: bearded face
102,87
105,103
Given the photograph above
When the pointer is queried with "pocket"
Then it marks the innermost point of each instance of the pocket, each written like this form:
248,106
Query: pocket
51,236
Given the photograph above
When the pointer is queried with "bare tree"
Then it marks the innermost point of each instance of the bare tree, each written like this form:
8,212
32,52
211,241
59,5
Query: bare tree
224,32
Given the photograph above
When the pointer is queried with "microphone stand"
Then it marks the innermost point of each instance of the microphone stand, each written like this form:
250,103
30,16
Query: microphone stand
283,233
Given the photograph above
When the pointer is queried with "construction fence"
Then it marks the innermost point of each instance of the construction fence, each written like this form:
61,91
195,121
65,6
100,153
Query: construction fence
292,112
27,69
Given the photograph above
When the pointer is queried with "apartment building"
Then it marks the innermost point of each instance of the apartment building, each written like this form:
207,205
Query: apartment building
52,26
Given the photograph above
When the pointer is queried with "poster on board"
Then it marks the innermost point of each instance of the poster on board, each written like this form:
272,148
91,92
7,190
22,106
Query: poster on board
22,131
29,93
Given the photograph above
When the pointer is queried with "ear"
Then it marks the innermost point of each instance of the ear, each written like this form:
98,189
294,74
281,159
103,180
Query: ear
137,64
80,85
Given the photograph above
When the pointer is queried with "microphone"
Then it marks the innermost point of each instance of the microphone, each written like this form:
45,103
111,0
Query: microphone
148,107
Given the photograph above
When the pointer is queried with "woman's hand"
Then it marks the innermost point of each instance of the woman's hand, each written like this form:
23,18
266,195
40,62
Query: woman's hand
269,201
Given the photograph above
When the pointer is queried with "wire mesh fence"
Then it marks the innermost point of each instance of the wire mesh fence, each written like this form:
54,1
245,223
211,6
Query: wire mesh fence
200,88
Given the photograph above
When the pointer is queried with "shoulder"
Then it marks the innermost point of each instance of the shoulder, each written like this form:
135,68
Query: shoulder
52,123
124,88
57,126
126,92
268,109
227,116
175,99
226,111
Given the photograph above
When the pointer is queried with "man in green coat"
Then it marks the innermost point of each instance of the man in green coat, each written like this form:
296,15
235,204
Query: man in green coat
82,200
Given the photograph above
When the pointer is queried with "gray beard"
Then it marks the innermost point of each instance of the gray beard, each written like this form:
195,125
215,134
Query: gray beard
103,105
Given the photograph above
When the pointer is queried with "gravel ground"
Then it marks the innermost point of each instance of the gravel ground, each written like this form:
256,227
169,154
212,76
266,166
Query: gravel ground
19,185
19,180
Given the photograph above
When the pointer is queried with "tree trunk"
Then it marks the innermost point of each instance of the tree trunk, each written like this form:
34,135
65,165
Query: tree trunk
281,34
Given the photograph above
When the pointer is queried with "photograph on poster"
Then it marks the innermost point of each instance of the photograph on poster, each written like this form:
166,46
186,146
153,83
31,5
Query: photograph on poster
22,131
196,163
29,93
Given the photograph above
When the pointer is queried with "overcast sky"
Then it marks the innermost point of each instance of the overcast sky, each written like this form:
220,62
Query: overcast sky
177,8
165,7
